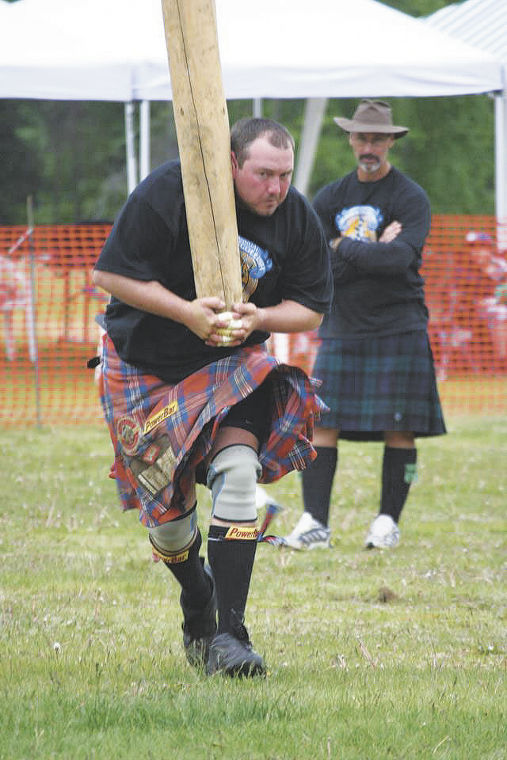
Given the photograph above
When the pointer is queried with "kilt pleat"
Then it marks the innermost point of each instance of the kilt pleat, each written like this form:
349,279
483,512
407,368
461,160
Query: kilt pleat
162,433
376,384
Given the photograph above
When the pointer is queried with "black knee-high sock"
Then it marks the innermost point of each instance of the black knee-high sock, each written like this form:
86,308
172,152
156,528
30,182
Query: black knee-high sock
231,562
318,483
194,582
399,470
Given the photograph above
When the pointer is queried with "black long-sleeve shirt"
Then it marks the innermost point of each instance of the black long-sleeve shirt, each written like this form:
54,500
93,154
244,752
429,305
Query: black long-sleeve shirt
378,287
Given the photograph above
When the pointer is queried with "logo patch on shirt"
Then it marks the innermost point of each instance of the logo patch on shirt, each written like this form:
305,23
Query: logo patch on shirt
255,263
359,222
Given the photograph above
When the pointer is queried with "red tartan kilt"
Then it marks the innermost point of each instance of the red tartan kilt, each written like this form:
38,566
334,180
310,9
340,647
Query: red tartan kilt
161,432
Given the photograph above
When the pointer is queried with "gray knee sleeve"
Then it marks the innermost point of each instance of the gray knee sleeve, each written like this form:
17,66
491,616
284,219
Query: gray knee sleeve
176,535
232,478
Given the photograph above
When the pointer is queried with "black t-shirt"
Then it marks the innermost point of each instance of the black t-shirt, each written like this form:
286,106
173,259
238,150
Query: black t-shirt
284,257
378,289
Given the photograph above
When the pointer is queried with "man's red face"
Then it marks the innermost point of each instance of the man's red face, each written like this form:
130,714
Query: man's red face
262,183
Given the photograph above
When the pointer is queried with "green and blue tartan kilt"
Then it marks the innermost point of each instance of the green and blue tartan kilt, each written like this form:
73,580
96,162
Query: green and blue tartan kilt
375,384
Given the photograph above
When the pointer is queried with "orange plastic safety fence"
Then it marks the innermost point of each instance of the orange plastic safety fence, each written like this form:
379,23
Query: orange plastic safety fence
465,273
48,330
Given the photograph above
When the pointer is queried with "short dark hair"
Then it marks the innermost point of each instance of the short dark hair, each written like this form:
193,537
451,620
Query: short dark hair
245,131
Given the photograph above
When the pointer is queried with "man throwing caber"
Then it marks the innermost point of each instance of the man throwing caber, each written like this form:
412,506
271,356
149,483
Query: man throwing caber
374,358
185,406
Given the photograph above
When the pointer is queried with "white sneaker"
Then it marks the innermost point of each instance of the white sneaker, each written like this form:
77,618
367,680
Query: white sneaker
308,534
383,533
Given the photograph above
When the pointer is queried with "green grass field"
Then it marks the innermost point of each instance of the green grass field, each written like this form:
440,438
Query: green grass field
371,655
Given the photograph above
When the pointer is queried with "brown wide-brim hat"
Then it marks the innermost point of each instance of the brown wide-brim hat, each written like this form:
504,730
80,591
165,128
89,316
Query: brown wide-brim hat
372,116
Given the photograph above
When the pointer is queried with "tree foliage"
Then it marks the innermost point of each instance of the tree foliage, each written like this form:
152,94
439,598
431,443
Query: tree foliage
449,150
417,7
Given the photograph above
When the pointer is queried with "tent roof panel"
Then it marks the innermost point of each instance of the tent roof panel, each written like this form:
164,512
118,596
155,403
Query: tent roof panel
478,22
332,48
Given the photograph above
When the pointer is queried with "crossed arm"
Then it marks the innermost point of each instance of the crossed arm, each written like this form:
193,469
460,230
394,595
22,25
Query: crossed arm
389,255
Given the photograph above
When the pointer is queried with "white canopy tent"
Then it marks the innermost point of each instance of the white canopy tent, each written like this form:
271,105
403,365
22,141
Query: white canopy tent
115,50
483,23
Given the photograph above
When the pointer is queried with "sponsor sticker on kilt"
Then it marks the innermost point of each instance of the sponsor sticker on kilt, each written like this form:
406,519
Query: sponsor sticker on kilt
155,419
157,475
128,432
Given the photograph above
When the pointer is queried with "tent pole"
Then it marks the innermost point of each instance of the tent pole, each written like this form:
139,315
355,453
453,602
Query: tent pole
315,109
500,167
32,312
144,139
130,146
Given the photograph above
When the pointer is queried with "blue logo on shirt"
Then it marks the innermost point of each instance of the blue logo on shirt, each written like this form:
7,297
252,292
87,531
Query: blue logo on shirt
255,263
359,222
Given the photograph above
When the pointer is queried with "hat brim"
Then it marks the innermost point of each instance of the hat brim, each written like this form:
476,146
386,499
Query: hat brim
349,125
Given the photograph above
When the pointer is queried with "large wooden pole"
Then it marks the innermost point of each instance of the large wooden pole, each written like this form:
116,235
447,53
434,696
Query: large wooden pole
202,129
